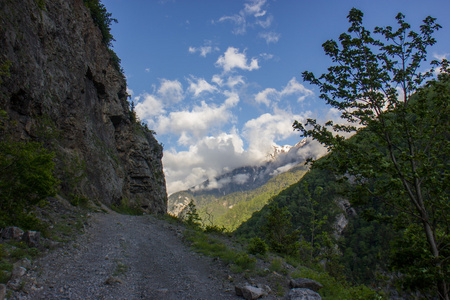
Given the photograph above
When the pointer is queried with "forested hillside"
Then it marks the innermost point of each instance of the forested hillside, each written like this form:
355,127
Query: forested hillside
232,209
394,172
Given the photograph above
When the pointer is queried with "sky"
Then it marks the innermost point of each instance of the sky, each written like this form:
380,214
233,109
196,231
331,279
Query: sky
220,81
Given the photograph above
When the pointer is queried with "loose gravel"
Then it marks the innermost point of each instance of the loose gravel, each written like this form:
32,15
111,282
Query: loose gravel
126,257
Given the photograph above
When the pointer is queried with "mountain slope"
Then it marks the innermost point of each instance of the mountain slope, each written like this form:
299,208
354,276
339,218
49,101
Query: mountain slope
231,198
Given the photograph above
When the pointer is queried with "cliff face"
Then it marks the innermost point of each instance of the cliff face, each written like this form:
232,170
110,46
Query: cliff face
64,90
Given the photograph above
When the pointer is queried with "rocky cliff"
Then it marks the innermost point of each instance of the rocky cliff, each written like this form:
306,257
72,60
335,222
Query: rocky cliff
65,90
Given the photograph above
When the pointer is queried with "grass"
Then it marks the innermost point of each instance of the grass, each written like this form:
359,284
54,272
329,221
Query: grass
121,269
334,289
203,243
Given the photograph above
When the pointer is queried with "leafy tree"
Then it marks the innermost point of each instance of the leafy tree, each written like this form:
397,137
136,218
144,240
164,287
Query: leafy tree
377,87
280,235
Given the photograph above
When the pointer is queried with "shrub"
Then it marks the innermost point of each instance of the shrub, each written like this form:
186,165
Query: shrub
257,246
214,229
102,18
26,178
245,262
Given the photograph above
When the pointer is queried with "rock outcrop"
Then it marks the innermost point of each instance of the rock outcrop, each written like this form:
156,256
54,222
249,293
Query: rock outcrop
65,90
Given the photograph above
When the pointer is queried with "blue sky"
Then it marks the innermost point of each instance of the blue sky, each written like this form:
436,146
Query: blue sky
220,80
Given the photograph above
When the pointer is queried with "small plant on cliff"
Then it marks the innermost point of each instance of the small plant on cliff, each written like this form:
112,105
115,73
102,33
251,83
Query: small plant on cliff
102,18
4,70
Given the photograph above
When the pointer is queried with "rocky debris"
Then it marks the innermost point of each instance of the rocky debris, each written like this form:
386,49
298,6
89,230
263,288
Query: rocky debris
32,238
12,233
154,264
2,291
24,263
305,283
18,272
303,294
113,280
251,292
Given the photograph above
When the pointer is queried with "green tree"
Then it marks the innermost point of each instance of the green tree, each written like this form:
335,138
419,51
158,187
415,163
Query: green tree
192,216
280,235
377,87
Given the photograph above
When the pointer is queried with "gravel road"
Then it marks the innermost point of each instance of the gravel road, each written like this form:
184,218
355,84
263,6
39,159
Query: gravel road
126,257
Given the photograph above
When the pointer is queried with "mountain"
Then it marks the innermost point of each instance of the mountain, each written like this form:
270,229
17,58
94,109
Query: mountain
231,198
62,86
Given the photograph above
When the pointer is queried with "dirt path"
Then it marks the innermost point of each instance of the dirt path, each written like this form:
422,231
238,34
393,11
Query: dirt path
127,257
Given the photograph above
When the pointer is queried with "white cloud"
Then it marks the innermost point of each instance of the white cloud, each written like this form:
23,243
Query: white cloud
441,56
252,9
192,125
230,81
263,132
148,106
171,91
294,87
270,37
265,95
130,92
209,157
265,23
200,85
147,70
268,95
204,50
266,56
233,59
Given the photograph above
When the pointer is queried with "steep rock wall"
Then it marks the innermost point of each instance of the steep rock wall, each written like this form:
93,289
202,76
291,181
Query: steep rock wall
64,90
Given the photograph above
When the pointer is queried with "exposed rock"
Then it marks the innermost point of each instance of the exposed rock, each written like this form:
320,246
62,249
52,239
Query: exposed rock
303,294
12,233
65,91
18,272
24,263
249,292
32,238
2,291
113,280
266,289
305,283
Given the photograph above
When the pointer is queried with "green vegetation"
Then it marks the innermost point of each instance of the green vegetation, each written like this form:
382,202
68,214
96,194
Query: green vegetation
336,290
4,70
102,18
257,246
127,208
280,235
404,161
26,178
10,253
394,171
192,217
231,210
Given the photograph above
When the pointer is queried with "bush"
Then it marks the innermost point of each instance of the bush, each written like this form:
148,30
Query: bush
214,229
245,262
26,178
257,246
